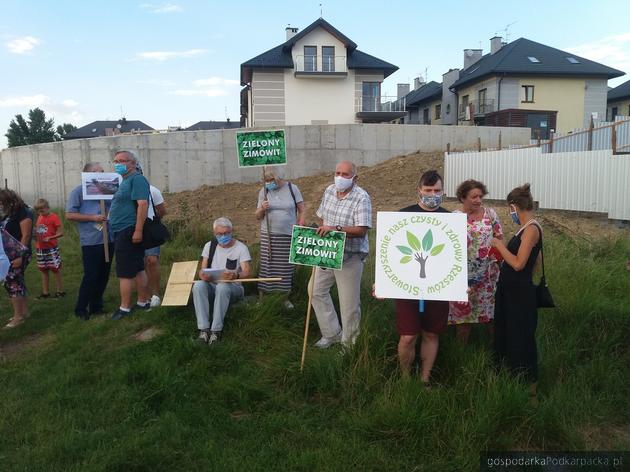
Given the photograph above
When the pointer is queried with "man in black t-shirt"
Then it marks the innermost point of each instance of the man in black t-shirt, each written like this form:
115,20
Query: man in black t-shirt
430,323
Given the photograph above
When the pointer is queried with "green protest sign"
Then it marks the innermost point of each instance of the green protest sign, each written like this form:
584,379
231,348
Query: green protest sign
310,249
261,148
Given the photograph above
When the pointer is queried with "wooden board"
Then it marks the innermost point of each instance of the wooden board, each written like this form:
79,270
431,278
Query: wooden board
180,283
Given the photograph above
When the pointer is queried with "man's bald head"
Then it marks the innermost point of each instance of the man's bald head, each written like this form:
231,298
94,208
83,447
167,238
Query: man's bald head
346,169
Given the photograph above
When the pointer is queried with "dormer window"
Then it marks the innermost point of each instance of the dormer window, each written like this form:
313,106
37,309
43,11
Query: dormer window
310,58
533,59
573,60
328,58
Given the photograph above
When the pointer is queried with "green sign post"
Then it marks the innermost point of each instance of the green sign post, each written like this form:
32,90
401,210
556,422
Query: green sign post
261,148
310,249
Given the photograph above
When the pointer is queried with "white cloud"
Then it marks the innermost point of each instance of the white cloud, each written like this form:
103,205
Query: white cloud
22,45
162,8
215,81
70,103
161,56
158,82
210,87
612,51
25,101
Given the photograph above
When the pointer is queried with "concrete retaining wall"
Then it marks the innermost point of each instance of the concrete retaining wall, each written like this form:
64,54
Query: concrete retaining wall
187,160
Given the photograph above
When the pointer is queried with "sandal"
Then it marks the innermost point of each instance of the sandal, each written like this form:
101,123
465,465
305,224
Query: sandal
60,294
13,322
43,296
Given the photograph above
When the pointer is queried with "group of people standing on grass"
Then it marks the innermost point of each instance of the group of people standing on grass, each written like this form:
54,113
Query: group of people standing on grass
501,290
125,215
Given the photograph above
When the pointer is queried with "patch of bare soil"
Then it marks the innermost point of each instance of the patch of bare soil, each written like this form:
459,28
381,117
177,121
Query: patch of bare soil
14,348
391,184
147,334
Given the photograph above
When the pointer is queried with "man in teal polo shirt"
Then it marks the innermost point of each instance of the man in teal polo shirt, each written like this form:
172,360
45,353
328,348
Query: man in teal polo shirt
126,218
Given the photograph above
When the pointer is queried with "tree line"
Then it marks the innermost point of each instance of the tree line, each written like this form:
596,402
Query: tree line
37,129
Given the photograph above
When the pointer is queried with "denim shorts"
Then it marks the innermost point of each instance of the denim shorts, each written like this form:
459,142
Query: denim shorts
154,251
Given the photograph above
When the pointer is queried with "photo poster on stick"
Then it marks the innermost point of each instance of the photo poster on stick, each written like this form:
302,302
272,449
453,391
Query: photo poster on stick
100,185
261,148
421,256
310,249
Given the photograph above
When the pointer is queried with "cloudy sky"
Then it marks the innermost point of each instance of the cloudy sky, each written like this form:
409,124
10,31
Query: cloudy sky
176,63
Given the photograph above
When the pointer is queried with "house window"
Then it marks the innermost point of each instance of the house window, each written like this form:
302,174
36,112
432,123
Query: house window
438,112
573,60
448,108
613,113
528,94
533,59
481,99
328,58
310,58
371,96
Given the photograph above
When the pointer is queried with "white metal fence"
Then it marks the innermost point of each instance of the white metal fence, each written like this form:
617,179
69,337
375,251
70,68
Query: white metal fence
593,181
603,135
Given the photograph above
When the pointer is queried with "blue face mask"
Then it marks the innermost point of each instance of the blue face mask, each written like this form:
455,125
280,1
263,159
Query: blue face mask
120,168
431,201
271,185
224,239
515,217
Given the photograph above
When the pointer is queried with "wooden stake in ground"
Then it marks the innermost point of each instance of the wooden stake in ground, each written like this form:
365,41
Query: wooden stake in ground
311,284
267,216
105,232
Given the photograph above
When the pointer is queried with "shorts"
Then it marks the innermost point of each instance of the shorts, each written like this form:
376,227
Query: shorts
154,251
14,282
48,259
410,322
129,256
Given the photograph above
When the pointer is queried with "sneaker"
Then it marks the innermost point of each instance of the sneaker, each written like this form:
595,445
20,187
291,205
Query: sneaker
155,301
325,342
120,314
145,307
13,322
215,337
203,337
288,305
60,294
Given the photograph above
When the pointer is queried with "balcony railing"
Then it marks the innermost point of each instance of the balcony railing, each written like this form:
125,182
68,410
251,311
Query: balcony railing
477,108
321,65
382,103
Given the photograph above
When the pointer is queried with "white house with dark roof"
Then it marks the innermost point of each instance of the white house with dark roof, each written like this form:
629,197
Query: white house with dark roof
525,83
107,128
317,76
618,101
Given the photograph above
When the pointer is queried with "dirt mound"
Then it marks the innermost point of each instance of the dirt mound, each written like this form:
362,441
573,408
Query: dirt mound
391,184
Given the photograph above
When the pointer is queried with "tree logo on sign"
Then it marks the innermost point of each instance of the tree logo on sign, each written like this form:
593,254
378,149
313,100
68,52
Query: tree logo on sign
420,252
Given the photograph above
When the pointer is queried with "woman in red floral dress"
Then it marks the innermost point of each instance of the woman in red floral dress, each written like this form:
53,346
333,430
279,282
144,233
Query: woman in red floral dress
483,265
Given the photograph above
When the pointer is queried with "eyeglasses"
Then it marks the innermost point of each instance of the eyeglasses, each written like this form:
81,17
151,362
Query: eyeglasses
223,234
121,161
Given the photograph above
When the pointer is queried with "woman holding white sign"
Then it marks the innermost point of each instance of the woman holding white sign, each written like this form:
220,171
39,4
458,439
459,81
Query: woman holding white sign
280,206
483,265
516,314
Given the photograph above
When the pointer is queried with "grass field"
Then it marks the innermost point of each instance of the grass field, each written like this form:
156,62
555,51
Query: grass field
90,396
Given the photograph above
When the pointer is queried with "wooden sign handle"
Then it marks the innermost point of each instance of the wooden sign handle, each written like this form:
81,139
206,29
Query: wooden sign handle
105,232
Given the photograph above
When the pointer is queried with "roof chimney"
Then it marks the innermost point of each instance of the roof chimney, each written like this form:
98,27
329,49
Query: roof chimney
291,31
418,82
403,89
496,43
471,56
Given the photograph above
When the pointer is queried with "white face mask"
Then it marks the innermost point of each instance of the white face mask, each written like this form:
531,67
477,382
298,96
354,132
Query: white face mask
342,184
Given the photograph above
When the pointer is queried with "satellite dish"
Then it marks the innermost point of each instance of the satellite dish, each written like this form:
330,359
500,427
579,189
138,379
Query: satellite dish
93,130
469,53
118,126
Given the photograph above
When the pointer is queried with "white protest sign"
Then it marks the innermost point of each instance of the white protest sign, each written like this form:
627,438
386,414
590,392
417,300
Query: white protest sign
421,256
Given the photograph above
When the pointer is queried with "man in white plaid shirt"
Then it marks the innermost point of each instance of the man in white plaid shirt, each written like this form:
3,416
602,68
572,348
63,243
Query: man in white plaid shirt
345,207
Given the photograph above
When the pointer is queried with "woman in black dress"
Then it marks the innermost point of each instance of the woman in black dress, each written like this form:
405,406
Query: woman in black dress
515,313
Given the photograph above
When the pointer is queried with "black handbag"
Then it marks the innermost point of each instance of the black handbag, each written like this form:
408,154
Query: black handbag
154,233
543,294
